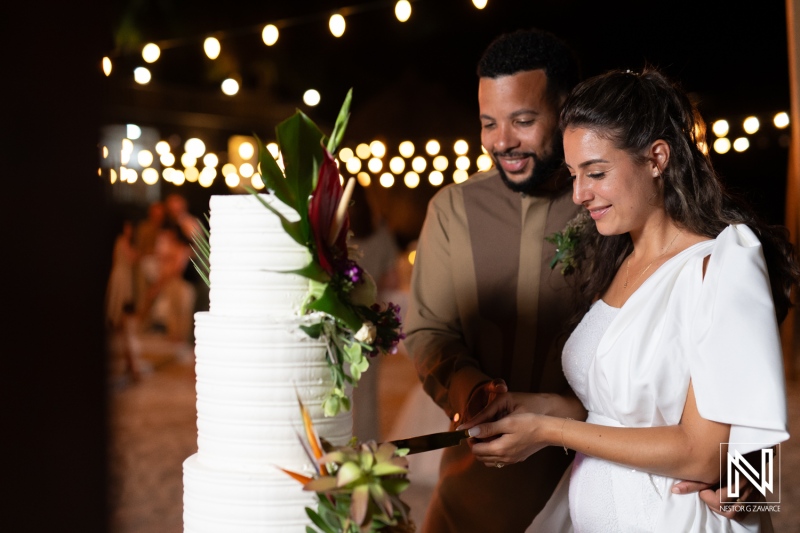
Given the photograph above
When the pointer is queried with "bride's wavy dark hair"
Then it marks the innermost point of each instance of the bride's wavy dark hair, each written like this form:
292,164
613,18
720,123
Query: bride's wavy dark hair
633,111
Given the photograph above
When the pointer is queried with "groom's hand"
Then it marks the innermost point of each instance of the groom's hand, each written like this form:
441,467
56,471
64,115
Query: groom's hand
482,396
716,497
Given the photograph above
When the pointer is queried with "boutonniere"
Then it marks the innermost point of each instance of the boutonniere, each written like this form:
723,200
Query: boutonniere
566,241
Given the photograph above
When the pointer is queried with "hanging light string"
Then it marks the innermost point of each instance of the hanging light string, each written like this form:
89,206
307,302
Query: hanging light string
280,24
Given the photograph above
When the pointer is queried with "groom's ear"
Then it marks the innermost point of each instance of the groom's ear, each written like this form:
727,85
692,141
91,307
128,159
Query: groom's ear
659,157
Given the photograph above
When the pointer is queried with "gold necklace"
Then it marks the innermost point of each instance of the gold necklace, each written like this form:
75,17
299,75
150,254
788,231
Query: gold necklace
628,263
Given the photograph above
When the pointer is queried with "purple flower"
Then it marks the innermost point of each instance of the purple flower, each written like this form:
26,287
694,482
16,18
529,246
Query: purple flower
353,272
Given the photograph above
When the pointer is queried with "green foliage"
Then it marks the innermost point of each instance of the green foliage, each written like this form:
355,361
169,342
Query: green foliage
339,291
566,242
202,253
362,492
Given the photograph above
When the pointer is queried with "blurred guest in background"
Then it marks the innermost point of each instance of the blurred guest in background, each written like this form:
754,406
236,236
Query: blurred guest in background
186,224
168,304
146,271
120,288
378,251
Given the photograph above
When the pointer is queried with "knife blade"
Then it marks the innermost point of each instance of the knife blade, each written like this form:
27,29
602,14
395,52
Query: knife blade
433,441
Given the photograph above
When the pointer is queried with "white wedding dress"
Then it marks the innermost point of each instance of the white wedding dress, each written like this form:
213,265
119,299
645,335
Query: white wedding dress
631,367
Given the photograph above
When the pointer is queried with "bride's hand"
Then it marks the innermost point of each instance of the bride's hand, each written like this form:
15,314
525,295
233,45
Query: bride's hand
511,439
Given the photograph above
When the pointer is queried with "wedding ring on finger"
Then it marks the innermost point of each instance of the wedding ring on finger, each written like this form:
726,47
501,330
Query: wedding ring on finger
499,465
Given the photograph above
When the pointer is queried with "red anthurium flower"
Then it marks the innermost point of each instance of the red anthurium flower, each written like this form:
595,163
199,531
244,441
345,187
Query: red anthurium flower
322,212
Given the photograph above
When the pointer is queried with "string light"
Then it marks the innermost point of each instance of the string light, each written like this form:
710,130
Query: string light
228,168
311,97
363,151
107,66
145,158
741,144
151,52
194,147
141,75
345,155
337,25
781,120
212,47
131,175
375,165
232,180
397,165
230,86
246,150
353,165
188,160
484,162
206,177
162,147
363,179
386,180
436,178
167,159
480,4
411,180
132,131
751,125
432,147
210,160
406,148
722,145
377,148
402,10
440,163
419,164
461,147
720,128
257,182
270,34
150,176
246,170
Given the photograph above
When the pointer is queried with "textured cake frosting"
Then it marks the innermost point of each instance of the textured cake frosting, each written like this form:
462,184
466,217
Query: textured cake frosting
252,363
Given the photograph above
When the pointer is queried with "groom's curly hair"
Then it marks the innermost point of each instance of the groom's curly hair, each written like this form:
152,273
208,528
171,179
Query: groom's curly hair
532,49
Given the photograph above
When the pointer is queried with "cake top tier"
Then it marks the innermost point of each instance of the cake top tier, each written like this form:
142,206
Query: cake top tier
235,203
250,255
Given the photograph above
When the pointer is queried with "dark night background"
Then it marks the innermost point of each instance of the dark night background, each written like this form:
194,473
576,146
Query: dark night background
411,80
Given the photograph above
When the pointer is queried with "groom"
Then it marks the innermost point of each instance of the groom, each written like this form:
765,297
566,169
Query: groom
486,312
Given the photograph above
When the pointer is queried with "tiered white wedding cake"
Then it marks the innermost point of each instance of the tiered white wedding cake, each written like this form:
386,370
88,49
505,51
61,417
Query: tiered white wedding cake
252,362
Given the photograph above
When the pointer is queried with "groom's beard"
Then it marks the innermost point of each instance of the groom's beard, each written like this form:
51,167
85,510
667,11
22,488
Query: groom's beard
543,170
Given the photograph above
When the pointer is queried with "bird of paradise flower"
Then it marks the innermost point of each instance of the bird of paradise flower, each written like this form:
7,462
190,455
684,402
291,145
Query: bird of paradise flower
357,486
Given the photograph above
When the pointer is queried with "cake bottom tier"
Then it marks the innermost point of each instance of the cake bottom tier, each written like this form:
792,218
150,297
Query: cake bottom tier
216,501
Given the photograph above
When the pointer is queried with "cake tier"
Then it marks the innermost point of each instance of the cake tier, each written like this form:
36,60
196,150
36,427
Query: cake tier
234,502
250,253
250,372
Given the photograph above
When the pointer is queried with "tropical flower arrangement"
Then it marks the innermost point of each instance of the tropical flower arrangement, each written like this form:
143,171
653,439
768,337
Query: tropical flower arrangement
354,325
357,486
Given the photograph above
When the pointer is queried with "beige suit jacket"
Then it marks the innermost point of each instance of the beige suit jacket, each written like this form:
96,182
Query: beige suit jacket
485,304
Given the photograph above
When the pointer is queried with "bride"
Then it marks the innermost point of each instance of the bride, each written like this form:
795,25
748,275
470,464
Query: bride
678,357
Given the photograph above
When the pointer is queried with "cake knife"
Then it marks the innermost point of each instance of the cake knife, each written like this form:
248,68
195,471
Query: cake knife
433,441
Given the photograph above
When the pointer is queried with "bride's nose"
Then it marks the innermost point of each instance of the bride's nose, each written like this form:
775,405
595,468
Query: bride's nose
580,190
